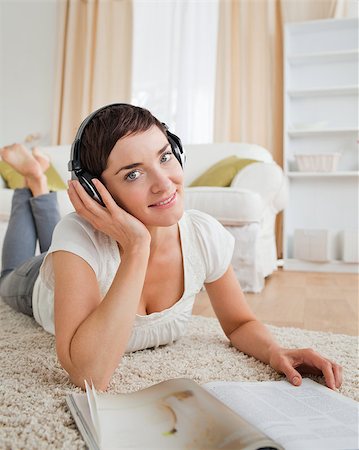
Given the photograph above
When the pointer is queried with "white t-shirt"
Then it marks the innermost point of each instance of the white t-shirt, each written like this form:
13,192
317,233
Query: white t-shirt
207,249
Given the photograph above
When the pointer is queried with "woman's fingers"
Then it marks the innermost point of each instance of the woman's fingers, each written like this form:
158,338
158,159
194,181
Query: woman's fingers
91,204
327,369
87,207
330,370
84,199
293,376
105,195
293,363
338,374
82,202
74,197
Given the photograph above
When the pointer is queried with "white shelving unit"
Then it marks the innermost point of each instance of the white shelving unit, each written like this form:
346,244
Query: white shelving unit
321,95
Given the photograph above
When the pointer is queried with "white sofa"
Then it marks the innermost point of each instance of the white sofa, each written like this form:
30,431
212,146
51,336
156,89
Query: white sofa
247,209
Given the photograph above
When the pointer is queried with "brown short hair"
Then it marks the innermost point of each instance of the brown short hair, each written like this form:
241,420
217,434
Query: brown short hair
106,128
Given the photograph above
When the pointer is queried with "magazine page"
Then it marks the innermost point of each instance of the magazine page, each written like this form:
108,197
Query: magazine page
80,411
92,403
306,417
175,414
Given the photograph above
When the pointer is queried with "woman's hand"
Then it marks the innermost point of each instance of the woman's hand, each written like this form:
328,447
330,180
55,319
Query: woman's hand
293,363
112,220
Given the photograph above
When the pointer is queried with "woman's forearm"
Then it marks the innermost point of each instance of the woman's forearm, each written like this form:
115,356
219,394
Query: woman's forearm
254,339
100,341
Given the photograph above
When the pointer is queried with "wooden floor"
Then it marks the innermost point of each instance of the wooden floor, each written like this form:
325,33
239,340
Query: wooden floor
313,301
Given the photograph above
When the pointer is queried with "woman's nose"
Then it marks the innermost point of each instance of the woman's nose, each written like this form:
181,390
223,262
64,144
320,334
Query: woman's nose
160,183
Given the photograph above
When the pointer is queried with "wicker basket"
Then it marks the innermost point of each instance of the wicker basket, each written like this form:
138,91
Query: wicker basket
318,162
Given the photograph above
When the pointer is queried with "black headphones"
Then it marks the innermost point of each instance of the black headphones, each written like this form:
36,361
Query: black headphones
85,178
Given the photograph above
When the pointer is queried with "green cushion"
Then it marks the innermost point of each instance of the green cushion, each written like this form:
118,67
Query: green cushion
223,172
14,180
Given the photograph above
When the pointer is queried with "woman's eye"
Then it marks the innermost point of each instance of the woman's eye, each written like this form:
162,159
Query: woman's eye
166,157
132,175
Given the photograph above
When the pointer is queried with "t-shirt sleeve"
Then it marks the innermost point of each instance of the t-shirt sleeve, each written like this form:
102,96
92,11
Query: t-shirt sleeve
74,235
215,242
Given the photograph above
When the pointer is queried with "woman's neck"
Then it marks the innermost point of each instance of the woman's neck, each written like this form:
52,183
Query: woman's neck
162,236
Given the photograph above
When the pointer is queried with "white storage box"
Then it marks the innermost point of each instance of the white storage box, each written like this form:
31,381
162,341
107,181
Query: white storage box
317,162
313,245
350,245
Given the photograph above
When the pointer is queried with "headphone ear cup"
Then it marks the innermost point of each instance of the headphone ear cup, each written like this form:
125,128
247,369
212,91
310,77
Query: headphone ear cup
85,179
177,148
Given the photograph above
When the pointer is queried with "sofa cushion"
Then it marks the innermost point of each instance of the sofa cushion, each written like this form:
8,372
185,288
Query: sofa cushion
228,205
222,173
14,180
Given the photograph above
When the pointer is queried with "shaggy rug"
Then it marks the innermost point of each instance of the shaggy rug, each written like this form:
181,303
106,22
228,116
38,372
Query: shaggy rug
33,412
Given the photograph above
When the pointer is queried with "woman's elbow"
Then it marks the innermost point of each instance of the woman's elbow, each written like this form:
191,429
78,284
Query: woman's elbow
78,377
100,384
92,373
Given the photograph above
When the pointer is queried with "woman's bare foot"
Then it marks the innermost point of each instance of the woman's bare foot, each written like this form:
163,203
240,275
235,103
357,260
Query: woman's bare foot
21,159
41,158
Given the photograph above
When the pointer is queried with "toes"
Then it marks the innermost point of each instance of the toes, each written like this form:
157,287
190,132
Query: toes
41,159
38,153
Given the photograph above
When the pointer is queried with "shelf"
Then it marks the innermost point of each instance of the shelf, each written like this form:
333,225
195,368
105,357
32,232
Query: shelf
321,57
311,266
340,174
311,132
297,28
319,92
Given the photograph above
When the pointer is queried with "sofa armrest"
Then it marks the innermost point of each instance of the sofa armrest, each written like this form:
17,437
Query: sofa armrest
231,206
266,179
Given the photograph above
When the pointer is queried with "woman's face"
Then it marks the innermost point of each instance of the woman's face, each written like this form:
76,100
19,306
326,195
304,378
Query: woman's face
145,178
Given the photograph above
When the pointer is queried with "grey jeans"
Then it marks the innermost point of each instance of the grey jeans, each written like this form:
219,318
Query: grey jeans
32,219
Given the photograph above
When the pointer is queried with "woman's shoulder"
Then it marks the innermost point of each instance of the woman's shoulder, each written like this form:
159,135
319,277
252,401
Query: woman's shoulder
206,229
214,243
73,223
73,228
75,235
72,220
202,221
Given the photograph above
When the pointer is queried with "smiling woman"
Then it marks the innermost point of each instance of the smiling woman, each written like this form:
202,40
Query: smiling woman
122,275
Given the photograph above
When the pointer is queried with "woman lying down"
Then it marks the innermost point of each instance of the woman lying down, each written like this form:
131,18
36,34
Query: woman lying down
121,273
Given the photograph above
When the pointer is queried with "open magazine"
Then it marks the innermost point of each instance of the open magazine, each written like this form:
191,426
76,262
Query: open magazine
181,414
310,417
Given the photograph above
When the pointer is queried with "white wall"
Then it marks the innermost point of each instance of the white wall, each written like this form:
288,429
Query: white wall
28,46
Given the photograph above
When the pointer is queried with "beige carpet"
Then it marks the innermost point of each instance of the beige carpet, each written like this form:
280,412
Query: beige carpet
33,414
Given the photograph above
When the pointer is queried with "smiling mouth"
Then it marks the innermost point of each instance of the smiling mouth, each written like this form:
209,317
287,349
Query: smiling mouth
165,202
